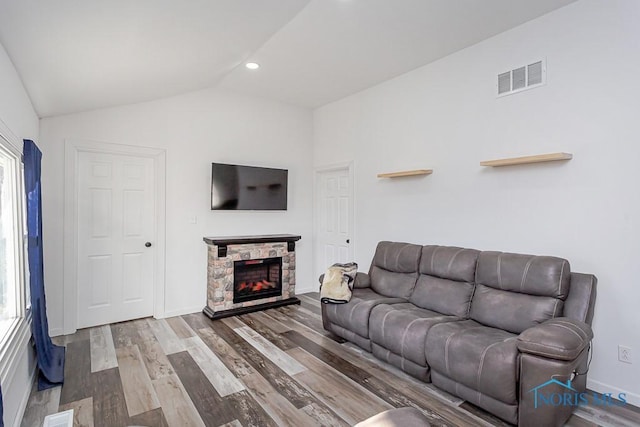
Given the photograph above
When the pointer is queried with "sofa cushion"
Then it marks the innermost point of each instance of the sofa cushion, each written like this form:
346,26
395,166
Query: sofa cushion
482,358
354,315
394,269
515,292
528,274
449,262
445,284
512,311
402,329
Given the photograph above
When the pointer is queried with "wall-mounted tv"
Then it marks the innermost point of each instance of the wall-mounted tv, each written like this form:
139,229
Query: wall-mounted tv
238,187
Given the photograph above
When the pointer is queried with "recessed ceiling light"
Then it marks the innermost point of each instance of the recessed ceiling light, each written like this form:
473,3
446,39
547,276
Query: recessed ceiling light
252,65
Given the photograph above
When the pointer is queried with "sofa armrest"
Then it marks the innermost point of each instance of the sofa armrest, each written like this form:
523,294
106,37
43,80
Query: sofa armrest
561,338
362,280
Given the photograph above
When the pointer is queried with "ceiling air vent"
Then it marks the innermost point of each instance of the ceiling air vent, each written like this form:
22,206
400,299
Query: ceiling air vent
522,78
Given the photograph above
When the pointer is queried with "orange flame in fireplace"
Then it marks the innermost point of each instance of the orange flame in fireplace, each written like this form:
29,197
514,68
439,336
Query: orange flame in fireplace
255,286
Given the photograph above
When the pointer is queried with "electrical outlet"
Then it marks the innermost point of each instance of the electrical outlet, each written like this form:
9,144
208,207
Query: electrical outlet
624,354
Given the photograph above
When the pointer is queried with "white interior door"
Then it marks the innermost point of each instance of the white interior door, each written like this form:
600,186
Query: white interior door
116,232
335,218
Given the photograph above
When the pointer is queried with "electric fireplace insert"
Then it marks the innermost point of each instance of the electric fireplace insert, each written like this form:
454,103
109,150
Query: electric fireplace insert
257,279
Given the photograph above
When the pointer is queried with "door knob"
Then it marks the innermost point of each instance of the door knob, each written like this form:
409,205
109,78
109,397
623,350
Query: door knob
148,244
348,240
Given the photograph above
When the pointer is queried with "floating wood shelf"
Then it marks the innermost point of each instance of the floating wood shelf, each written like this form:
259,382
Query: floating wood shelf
551,157
406,173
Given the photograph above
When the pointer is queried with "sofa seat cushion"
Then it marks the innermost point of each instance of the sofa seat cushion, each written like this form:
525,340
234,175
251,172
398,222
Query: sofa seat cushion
402,329
480,357
354,315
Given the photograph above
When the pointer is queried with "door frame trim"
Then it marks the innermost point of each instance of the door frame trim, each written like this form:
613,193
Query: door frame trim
349,166
72,149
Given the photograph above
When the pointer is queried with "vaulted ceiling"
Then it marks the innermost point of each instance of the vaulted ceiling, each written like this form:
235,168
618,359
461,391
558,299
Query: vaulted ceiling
77,55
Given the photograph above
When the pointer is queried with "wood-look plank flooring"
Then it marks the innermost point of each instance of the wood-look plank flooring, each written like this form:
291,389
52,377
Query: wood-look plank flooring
272,368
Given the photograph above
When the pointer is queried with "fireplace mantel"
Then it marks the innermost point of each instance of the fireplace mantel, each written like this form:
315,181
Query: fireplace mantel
224,241
243,240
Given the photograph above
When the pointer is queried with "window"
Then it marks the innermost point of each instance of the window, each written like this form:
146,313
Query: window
12,289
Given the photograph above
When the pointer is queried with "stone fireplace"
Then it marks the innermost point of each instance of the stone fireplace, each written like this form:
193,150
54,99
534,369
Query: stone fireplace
250,273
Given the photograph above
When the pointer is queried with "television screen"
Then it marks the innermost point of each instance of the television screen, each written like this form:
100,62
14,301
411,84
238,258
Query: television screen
237,187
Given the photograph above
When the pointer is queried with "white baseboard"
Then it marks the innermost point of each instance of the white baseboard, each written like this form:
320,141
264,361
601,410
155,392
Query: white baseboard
56,332
182,311
25,399
305,289
601,387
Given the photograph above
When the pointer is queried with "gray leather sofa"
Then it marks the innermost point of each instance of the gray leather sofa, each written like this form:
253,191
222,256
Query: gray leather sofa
488,327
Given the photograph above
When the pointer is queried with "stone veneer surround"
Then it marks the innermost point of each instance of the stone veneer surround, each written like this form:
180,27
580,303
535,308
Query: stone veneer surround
222,252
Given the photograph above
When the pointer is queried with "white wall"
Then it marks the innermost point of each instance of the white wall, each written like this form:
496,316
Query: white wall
19,121
196,129
446,116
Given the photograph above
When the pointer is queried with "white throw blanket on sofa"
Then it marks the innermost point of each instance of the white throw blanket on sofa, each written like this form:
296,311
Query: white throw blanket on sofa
337,284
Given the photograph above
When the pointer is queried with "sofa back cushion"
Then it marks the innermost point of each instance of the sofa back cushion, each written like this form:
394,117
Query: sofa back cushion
445,284
394,269
515,292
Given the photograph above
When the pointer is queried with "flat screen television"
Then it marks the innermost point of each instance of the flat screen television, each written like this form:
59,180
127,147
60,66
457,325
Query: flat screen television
238,187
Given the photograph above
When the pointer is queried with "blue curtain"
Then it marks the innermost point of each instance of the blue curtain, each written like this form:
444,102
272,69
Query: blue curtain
50,357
